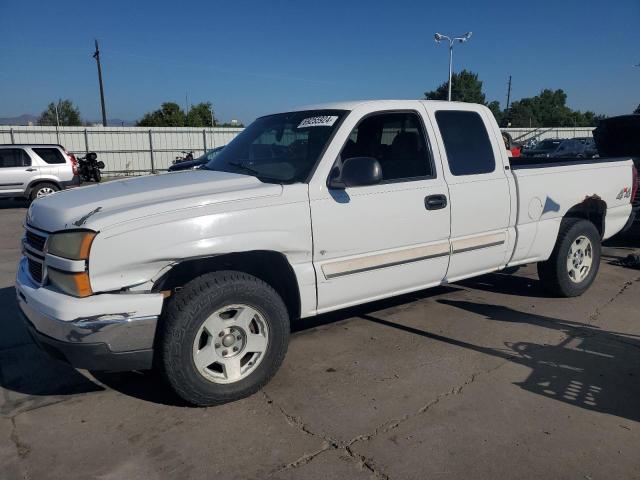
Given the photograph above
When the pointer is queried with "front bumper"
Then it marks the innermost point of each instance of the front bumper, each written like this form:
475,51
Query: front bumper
112,332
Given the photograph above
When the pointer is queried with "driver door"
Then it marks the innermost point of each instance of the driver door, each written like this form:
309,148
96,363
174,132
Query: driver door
380,240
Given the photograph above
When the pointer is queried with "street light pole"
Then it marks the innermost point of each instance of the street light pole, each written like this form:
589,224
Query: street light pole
439,37
450,68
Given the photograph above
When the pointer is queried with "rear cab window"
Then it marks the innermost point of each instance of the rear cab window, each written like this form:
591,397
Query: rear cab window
14,157
466,142
50,155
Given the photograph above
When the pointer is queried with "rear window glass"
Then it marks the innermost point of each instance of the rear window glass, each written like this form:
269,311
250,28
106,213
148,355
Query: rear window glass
466,142
14,157
50,155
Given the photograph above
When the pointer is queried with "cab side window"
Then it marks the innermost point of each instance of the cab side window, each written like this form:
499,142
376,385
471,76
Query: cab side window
396,140
14,157
466,142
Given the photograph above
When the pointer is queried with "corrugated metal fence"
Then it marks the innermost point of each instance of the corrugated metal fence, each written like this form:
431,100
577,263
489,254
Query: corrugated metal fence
126,150
139,150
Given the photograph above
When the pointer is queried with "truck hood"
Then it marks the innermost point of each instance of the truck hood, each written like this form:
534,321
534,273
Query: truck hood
99,206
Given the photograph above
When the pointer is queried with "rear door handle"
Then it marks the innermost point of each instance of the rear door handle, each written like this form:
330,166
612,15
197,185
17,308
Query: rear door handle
435,202
30,169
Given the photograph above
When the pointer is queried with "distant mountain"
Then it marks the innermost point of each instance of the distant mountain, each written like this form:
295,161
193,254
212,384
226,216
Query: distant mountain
21,120
26,118
114,122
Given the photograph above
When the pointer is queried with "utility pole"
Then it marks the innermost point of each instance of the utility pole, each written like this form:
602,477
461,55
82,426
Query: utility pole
96,55
508,93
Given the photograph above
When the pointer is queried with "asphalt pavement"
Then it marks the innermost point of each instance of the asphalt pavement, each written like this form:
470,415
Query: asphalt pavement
487,378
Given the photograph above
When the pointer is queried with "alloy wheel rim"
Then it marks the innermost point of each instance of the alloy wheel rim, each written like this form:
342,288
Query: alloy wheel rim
579,259
230,344
43,192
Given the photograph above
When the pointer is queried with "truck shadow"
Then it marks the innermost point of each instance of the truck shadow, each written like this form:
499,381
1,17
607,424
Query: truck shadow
152,388
589,368
26,373
507,284
13,203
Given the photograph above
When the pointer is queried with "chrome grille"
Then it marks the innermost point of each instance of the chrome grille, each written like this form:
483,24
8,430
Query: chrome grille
35,240
33,248
35,269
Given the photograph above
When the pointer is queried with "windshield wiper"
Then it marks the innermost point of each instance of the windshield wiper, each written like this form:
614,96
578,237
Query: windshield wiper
261,176
246,168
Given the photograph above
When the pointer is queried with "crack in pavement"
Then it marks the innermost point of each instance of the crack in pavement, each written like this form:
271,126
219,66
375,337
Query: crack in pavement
346,447
598,311
22,448
368,463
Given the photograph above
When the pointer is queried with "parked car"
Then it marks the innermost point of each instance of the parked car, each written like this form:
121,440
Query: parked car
304,212
33,171
543,148
196,162
574,148
591,150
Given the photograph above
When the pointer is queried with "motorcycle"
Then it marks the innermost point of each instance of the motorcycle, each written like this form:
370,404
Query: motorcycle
188,156
89,167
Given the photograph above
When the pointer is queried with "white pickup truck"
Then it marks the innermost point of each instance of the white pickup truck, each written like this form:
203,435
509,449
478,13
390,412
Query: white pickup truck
199,273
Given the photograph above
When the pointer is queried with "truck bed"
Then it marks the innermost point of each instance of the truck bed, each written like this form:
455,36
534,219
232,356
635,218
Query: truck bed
518,163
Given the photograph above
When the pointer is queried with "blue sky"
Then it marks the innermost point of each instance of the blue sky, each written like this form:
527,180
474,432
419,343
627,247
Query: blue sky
254,57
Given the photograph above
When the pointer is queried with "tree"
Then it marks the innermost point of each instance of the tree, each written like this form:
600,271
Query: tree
67,114
465,87
169,115
548,109
201,115
495,109
637,110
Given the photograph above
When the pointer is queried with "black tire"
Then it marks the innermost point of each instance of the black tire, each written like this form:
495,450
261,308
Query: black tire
97,176
42,187
554,274
186,312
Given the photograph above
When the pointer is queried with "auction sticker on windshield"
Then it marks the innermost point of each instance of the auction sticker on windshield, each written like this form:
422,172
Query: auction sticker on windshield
321,121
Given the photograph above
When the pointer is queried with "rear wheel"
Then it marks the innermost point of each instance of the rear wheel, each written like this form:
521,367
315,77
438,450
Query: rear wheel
97,176
575,259
42,190
222,337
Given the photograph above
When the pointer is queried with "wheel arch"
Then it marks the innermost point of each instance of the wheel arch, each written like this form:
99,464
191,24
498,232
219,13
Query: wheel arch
38,181
593,209
270,266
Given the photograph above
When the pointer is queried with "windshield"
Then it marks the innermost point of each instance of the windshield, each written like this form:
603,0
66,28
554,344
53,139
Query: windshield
209,155
280,148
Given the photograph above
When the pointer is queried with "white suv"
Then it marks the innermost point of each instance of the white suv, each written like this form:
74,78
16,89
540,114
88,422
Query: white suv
34,171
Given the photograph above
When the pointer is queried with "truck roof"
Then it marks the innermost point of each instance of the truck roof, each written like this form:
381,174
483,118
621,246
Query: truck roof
352,104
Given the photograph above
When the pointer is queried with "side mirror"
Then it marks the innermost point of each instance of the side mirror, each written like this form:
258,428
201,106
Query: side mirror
357,172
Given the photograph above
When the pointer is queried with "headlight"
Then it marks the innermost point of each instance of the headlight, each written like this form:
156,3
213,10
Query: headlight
71,245
76,284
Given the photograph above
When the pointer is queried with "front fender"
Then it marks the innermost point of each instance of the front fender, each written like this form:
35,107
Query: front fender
137,254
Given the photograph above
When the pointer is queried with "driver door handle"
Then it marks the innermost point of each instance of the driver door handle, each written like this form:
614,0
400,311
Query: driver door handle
435,202
30,170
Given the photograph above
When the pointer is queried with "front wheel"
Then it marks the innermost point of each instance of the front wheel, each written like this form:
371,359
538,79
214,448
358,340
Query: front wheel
222,337
575,259
97,176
